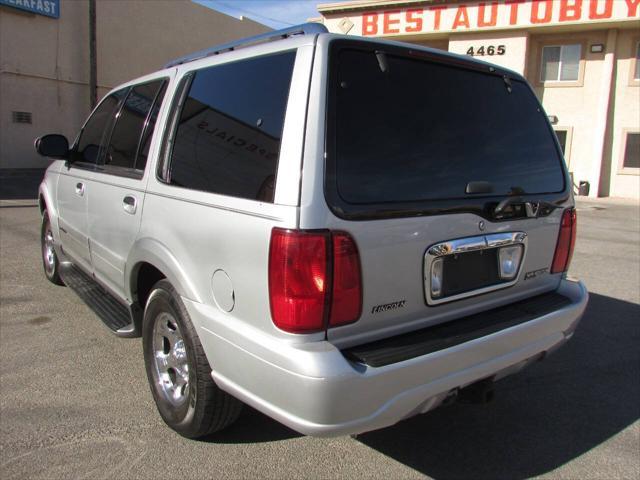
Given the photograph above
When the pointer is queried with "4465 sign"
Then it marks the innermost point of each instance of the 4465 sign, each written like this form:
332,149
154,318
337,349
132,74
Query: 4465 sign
489,50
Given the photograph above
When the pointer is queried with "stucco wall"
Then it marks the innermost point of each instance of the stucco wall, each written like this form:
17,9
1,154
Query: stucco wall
574,103
626,114
44,62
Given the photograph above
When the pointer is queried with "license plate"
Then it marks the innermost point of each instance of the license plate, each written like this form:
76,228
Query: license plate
468,271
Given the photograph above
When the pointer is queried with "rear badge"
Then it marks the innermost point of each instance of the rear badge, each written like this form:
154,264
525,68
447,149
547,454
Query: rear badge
388,306
535,273
481,226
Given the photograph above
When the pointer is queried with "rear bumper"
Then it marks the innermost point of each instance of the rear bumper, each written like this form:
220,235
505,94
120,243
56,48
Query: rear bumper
315,390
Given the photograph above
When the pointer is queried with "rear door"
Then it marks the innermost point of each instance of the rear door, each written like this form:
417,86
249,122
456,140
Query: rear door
73,182
447,175
117,186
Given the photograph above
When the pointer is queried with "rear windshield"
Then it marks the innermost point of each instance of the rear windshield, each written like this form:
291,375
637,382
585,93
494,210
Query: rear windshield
406,129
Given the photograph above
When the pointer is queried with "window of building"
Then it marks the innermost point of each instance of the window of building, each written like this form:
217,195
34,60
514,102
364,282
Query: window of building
125,138
631,157
228,135
560,63
88,145
562,139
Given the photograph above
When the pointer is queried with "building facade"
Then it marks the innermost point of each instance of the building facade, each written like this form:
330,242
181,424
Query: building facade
45,64
582,58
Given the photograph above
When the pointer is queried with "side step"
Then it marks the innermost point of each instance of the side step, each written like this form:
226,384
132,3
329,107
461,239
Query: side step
116,316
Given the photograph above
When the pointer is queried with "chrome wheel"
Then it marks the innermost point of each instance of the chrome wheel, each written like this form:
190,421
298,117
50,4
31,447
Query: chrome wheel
171,363
48,253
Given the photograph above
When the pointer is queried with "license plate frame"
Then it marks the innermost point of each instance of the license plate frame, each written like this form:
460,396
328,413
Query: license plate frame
476,255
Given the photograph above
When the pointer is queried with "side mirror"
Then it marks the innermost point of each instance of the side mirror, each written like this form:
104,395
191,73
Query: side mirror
54,146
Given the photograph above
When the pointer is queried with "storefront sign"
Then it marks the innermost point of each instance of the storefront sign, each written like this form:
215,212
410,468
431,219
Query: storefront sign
487,15
48,8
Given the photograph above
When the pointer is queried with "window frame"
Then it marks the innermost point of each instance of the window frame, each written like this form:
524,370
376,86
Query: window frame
535,62
95,166
559,79
622,170
180,95
134,172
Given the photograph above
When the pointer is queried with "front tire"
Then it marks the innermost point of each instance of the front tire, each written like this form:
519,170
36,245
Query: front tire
50,262
179,374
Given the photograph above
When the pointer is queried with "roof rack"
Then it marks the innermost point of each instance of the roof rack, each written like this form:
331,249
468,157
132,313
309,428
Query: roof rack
303,29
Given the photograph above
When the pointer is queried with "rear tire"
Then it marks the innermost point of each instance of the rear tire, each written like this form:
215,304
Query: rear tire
50,262
178,371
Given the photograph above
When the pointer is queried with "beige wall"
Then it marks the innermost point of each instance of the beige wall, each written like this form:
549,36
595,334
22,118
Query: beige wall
136,38
44,62
514,42
574,103
626,114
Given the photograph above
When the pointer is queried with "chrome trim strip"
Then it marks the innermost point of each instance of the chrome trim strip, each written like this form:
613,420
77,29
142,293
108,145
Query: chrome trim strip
218,206
467,244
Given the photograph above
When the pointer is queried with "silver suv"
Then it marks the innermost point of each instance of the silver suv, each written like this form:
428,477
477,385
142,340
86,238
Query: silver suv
339,232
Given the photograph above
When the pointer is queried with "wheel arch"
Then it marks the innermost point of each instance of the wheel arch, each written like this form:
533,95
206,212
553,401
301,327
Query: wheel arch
150,261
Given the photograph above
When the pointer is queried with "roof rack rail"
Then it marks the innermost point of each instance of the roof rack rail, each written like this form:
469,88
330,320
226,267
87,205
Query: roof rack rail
303,29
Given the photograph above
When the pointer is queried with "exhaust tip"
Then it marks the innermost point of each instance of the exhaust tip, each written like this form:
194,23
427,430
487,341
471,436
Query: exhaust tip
478,393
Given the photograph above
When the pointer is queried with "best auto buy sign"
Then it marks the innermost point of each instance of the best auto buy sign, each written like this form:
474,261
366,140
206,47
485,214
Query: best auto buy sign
478,16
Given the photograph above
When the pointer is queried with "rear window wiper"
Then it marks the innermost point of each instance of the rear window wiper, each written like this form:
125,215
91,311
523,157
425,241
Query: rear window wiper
532,209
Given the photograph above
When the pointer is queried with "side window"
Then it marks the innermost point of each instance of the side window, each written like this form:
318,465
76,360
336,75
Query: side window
88,146
229,130
125,138
145,142
560,63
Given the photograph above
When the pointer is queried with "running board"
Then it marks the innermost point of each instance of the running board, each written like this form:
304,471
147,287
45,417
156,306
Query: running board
116,316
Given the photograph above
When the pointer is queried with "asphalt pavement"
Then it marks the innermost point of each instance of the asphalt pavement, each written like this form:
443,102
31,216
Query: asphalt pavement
74,400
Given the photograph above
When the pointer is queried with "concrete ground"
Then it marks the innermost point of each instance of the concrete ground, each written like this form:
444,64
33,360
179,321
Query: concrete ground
74,400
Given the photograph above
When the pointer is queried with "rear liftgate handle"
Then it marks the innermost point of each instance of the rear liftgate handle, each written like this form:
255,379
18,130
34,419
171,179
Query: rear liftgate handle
129,204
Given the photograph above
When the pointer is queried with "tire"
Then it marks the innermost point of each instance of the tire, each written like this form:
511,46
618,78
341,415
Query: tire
50,263
178,371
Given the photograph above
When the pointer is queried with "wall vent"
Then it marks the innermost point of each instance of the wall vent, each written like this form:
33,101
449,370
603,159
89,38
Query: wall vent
21,117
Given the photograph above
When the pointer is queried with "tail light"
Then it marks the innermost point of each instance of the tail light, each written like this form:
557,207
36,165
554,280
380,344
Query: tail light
346,301
314,280
566,241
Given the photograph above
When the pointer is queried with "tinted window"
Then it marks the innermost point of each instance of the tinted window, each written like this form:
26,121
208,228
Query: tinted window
88,146
422,131
228,134
123,146
143,153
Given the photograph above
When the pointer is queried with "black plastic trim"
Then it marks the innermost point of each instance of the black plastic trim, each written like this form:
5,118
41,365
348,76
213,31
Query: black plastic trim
439,337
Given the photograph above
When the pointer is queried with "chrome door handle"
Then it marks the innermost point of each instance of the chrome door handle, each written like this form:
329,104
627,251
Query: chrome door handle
129,204
80,189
